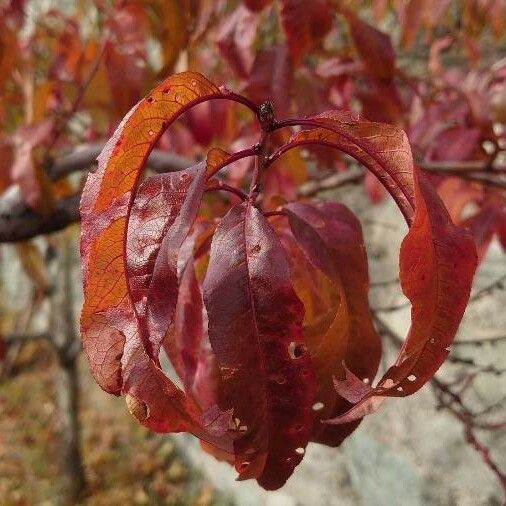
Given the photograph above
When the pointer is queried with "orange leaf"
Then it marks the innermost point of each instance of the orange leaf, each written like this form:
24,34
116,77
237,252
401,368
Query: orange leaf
113,335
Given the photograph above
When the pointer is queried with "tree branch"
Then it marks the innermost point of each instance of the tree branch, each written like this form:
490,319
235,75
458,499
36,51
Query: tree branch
19,222
311,188
83,156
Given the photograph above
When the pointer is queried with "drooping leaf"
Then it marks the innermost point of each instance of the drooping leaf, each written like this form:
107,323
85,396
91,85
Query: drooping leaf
113,335
184,343
437,261
305,23
171,22
255,329
271,78
373,46
485,224
331,238
8,51
168,203
235,38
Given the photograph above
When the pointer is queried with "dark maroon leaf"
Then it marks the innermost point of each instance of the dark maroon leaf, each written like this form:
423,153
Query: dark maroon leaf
255,329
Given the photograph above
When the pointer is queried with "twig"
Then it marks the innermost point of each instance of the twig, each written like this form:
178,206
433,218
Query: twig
498,283
480,342
19,222
453,166
393,308
24,337
311,188
485,455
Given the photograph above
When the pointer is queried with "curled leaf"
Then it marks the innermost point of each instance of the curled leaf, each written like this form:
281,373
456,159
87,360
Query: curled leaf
113,325
437,260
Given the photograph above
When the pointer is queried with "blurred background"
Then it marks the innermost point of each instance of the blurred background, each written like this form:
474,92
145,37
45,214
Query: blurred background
70,70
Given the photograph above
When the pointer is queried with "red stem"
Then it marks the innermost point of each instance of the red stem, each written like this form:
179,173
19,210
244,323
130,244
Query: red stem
227,188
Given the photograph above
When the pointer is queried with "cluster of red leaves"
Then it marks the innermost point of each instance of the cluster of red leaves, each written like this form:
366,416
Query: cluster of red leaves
263,314
305,56
450,113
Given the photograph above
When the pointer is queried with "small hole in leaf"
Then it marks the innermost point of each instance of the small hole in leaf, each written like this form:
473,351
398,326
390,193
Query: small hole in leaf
318,406
288,459
166,90
411,377
432,340
366,381
243,428
388,383
296,350
300,451
400,389
194,83
151,133
256,249
244,465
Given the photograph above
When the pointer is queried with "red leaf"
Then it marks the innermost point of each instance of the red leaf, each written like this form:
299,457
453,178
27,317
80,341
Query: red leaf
381,102
305,23
256,5
331,238
113,335
437,260
30,177
183,345
125,55
163,289
373,47
271,78
255,329
457,143
235,38
486,223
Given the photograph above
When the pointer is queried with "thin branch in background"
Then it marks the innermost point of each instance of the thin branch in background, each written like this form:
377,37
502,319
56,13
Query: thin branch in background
387,282
498,284
311,188
393,308
449,397
26,337
480,341
20,328
19,222
84,156
485,455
